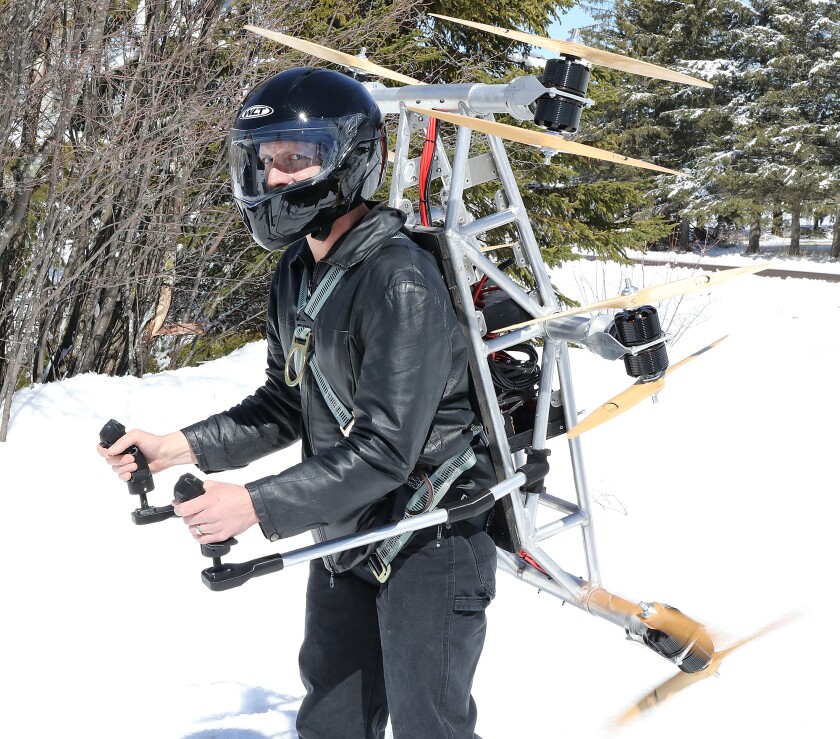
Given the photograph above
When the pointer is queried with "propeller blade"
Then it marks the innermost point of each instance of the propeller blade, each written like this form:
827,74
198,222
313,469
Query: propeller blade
622,402
598,56
331,55
686,360
632,396
540,139
650,294
682,680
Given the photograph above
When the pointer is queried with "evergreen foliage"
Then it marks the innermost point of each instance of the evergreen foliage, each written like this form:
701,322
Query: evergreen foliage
115,210
765,139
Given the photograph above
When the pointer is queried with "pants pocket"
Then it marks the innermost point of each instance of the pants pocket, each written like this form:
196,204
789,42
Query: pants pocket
475,570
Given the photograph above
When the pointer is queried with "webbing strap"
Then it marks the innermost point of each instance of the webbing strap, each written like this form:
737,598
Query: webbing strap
337,408
308,310
301,356
429,492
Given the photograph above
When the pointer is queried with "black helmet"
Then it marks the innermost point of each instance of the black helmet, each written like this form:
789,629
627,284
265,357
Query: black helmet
307,146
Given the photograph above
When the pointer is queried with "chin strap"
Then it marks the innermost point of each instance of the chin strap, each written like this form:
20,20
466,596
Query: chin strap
321,234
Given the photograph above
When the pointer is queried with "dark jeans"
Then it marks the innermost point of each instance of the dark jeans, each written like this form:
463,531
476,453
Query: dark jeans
408,648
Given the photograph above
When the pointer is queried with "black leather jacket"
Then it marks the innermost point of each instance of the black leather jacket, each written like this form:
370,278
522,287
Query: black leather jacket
390,346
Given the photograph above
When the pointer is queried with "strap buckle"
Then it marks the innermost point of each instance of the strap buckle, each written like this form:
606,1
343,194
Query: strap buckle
345,431
381,570
300,346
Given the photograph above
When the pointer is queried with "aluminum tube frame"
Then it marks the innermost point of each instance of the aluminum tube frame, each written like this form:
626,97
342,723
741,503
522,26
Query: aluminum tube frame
486,223
519,296
564,371
574,593
514,337
414,523
558,504
464,264
561,524
512,98
457,246
467,264
524,514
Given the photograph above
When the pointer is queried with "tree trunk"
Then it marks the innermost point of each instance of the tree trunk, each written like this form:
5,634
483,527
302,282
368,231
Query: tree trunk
795,213
755,234
685,232
835,241
776,229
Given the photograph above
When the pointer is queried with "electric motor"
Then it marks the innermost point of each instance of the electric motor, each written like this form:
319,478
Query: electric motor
559,113
638,327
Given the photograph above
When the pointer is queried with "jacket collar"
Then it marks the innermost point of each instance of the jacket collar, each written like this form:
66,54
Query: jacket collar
378,225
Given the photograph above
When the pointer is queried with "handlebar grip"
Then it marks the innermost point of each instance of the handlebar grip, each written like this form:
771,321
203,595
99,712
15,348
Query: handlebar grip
141,481
110,432
188,487
472,506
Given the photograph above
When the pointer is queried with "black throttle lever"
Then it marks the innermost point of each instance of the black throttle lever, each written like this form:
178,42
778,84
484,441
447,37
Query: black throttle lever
187,488
141,481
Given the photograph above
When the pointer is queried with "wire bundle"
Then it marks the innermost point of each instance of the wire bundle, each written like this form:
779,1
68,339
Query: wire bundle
512,375
425,179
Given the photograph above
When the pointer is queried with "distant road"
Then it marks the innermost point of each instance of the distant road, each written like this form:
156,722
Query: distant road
770,272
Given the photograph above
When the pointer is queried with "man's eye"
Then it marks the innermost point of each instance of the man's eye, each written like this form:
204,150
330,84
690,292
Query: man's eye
265,159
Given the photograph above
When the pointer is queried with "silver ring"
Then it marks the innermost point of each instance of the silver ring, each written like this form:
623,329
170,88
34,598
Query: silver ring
197,529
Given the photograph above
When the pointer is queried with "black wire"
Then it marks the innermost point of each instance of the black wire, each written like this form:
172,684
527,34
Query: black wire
514,375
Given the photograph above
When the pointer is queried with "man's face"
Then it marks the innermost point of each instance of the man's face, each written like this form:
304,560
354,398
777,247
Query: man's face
289,161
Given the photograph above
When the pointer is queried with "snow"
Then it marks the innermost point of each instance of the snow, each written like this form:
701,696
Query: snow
721,500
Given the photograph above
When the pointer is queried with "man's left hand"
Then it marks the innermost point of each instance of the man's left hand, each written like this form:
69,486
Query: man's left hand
223,511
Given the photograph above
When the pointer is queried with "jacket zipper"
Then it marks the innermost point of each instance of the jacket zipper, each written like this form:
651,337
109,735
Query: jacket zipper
329,561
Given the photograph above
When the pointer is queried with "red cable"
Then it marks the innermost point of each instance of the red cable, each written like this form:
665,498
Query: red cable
530,560
426,158
477,290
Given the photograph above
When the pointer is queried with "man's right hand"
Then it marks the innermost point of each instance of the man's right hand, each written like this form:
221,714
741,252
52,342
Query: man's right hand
161,452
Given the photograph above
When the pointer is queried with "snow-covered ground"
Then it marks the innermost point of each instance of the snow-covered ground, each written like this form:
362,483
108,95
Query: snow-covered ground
814,254
721,499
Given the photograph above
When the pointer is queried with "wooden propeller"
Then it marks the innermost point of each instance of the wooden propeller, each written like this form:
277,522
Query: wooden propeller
649,294
336,57
597,56
682,680
540,139
632,396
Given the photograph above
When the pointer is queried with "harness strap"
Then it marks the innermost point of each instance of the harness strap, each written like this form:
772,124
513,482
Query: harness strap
307,312
429,491
301,356
337,408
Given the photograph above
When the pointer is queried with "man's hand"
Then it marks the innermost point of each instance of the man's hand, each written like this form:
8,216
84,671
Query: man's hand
161,452
223,511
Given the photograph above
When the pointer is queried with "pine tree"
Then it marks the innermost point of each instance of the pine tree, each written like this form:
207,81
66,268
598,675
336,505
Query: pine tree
662,121
775,144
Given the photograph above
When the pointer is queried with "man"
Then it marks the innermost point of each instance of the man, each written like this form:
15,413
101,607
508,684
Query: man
367,367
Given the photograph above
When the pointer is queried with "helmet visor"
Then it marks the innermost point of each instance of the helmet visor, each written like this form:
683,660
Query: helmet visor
283,157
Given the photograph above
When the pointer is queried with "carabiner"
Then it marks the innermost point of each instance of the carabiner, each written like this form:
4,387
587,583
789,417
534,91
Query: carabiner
302,348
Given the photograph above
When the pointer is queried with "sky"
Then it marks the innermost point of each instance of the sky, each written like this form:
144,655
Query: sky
721,499
575,18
